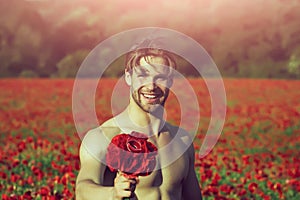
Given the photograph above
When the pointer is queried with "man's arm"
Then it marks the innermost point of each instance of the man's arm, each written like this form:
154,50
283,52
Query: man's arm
191,189
88,183
90,180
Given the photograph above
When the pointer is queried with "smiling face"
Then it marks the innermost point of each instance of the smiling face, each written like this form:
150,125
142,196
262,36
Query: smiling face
150,82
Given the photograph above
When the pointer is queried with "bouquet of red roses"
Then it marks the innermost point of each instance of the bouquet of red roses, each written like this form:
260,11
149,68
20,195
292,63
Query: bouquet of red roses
132,154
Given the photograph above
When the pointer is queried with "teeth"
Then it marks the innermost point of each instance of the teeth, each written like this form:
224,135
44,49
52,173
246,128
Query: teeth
149,96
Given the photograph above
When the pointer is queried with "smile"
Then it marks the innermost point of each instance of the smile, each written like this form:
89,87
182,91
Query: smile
151,96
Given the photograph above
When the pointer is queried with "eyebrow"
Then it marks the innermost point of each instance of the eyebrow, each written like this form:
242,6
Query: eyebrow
142,70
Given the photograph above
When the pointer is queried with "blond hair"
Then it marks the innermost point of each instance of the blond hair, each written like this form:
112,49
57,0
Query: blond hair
152,49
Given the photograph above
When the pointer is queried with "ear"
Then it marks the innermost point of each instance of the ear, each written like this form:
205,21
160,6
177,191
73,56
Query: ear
128,78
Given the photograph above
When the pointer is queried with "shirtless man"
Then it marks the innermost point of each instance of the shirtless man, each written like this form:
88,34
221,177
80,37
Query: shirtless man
148,72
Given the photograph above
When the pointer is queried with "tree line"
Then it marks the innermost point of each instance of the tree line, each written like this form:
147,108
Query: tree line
52,38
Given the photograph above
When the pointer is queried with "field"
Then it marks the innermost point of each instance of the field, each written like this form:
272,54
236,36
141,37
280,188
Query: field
256,157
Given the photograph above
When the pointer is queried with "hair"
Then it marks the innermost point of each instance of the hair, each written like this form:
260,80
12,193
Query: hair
148,48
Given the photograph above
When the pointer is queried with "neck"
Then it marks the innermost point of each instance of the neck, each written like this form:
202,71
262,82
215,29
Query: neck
139,120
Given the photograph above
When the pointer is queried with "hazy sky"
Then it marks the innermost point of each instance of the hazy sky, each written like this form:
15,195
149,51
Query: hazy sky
194,15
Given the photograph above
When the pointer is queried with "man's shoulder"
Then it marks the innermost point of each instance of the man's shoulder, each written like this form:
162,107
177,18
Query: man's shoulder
97,139
109,123
93,144
179,132
110,129
107,130
183,136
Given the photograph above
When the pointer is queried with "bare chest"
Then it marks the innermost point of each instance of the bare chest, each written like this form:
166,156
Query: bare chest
166,176
172,163
164,183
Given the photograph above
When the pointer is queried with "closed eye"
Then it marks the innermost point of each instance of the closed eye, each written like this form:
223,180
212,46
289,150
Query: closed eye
161,77
143,74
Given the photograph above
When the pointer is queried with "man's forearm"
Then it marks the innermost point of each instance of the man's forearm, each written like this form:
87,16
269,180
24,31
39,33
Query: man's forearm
88,190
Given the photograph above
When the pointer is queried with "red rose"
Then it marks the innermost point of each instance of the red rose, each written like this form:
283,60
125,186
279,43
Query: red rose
131,154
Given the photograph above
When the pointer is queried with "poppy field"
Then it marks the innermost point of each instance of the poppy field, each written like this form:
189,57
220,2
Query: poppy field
257,155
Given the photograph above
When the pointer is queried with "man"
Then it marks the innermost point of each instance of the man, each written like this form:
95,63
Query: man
149,74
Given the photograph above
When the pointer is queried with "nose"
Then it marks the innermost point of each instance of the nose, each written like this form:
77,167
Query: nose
151,85
150,82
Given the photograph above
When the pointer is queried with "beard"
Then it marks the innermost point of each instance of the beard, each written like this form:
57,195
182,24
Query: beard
150,100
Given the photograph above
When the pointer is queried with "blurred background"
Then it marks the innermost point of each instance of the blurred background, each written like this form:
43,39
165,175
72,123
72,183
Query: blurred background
249,39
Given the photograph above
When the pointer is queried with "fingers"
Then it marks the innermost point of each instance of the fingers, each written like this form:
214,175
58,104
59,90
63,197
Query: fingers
123,178
120,194
124,186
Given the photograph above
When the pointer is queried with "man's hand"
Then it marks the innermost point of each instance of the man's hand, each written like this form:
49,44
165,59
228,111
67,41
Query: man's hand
123,186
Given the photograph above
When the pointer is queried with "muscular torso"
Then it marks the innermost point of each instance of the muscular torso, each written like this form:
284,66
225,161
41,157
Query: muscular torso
172,167
161,184
164,183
